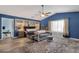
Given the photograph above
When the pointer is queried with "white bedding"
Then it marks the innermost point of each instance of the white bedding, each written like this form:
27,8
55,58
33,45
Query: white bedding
41,31
28,30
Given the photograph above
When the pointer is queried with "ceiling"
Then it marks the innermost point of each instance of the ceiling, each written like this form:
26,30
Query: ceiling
32,11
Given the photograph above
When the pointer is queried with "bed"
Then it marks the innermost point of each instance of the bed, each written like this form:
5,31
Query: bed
41,35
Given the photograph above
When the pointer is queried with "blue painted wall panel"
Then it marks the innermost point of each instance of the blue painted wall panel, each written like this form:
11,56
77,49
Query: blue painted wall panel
73,18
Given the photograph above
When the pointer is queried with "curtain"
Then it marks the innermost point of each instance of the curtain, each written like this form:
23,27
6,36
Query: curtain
60,26
66,31
57,26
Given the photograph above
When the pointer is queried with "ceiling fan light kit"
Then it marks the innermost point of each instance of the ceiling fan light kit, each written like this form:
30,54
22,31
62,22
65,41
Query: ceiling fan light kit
42,15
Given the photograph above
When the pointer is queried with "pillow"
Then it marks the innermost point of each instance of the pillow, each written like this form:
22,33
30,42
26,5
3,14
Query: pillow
41,31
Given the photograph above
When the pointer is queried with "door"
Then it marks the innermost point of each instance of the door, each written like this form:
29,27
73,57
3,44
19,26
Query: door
7,24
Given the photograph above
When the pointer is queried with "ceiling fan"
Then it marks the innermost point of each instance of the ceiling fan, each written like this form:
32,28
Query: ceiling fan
43,13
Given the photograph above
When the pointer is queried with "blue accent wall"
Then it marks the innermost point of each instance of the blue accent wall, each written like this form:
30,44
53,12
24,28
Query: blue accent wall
73,18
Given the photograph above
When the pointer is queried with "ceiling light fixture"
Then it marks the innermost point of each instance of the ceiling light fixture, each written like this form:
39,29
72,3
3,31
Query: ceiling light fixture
43,13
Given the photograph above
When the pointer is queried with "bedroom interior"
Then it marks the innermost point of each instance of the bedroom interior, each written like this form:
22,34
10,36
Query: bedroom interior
39,29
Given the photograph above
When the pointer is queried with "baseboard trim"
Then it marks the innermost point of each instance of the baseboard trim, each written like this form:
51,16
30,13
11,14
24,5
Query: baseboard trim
75,39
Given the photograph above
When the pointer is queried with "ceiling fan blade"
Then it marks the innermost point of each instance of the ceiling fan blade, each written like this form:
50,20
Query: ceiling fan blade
48,13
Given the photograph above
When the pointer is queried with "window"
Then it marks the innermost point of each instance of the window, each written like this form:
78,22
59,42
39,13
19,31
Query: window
57,26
